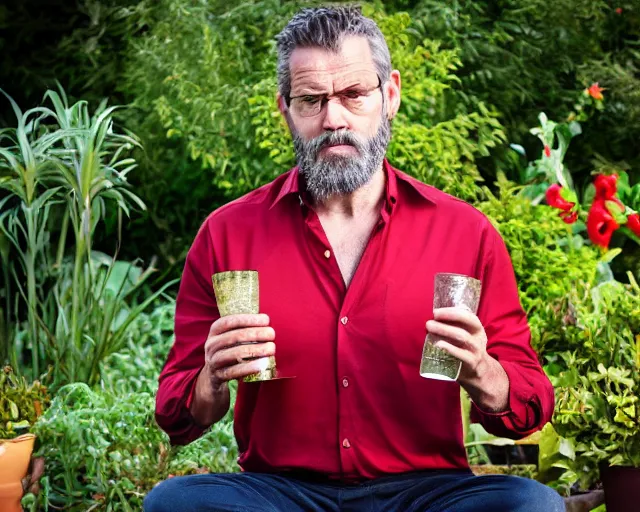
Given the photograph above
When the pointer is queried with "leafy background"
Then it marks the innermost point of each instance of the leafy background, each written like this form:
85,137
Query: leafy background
197,82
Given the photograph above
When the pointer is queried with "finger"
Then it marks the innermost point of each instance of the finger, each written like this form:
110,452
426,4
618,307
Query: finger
239,336
459,315
459,353
230,322
242,353
239,371
454,334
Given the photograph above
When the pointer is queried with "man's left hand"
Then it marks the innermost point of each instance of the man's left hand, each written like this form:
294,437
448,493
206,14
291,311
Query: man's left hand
460,333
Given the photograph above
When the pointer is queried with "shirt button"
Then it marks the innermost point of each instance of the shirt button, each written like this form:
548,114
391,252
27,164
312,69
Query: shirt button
345,383
346,443
344,320
327,254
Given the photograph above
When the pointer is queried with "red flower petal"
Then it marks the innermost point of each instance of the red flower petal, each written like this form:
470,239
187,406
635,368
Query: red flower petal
547,151
569,217
595,91
600,224
606,186
633,223
555,200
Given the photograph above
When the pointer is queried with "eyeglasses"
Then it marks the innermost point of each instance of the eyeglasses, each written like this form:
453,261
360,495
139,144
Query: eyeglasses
356,100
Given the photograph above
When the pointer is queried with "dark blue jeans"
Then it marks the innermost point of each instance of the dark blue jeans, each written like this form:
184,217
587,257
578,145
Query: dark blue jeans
425,491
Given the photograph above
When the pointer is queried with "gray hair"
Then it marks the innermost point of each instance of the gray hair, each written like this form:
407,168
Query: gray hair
326,27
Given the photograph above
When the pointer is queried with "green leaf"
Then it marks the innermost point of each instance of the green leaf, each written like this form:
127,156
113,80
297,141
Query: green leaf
614,209
13,410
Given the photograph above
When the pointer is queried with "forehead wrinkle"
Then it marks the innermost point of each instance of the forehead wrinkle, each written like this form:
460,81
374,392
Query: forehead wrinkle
316,68
313,79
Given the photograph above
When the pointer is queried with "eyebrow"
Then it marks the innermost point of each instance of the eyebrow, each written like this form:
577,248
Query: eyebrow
312,91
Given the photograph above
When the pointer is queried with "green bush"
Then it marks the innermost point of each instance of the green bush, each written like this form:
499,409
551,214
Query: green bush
549,260
596,380
523,56
102,447
105,451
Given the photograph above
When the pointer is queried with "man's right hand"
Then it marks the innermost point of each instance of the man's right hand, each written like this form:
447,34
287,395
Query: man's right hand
237,346
229,354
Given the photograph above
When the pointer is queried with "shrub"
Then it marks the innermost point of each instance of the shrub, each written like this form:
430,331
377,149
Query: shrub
102,447
550,262
596,380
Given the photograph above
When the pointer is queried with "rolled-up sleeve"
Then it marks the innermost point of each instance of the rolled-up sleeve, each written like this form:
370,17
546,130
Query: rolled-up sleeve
196,310
531,398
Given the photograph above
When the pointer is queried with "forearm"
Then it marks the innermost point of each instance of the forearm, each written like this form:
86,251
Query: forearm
488,386
210,403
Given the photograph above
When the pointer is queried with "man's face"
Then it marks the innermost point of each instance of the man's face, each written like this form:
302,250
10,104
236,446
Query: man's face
339,143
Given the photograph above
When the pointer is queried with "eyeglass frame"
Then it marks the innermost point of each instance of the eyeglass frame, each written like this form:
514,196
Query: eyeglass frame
326,97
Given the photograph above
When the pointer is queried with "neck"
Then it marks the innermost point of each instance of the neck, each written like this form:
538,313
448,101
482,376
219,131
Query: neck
366,200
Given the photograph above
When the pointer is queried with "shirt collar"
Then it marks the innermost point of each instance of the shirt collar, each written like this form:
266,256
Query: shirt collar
291,185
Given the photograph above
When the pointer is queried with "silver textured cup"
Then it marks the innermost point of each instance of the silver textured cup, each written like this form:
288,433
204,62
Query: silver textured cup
450,290
238,292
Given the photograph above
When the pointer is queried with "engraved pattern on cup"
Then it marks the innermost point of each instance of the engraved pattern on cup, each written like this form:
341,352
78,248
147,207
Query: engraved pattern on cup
450,290
238,292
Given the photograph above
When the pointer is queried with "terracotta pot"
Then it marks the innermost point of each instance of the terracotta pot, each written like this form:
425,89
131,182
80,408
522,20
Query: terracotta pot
621,487
15,455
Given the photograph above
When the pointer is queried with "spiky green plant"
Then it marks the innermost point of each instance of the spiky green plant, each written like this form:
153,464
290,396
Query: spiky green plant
64,160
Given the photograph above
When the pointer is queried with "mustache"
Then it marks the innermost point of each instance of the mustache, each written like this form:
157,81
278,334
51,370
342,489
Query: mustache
334,138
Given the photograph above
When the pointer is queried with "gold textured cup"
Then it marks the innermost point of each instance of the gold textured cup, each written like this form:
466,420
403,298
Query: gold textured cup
238,292
450,290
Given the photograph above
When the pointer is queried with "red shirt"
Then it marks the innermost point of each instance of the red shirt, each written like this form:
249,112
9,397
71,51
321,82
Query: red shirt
358,407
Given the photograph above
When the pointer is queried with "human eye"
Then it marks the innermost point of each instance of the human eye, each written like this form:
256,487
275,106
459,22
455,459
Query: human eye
309,99
352,94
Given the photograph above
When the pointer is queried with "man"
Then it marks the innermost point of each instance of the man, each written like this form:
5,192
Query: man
347,248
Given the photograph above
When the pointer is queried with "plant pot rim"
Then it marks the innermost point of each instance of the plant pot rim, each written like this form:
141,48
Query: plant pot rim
20,438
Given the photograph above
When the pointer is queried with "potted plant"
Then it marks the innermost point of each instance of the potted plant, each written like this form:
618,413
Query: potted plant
20,405
597,384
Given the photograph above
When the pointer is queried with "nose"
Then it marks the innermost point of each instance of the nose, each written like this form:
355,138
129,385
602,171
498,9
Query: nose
333,113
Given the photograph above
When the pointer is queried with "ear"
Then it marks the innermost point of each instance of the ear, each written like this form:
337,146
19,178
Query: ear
282,104
392,90
284,110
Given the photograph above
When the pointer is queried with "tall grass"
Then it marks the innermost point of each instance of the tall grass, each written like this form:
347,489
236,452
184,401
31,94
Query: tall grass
63,169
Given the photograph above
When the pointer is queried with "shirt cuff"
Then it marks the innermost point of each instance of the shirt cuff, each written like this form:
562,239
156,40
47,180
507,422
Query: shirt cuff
523,413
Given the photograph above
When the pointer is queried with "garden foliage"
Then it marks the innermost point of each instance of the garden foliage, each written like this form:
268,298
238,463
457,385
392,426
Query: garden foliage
198,78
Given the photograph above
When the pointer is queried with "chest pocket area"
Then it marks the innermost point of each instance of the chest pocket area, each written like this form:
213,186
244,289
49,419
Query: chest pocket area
407,307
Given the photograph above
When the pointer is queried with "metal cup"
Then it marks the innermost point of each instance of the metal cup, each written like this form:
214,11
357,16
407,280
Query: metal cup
238,292
450,290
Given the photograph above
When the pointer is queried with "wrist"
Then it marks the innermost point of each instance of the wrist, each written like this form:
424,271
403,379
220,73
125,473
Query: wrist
488,386
210,387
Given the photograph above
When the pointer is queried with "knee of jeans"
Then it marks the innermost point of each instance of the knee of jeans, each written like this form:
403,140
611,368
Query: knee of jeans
540,497
163,497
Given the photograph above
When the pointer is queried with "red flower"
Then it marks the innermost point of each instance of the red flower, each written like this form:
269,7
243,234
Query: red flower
606,186
595,91
569,217
619,10
600,222
554,199
547,151
633,223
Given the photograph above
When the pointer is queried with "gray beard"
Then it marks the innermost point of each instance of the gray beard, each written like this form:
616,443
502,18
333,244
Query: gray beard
331,175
